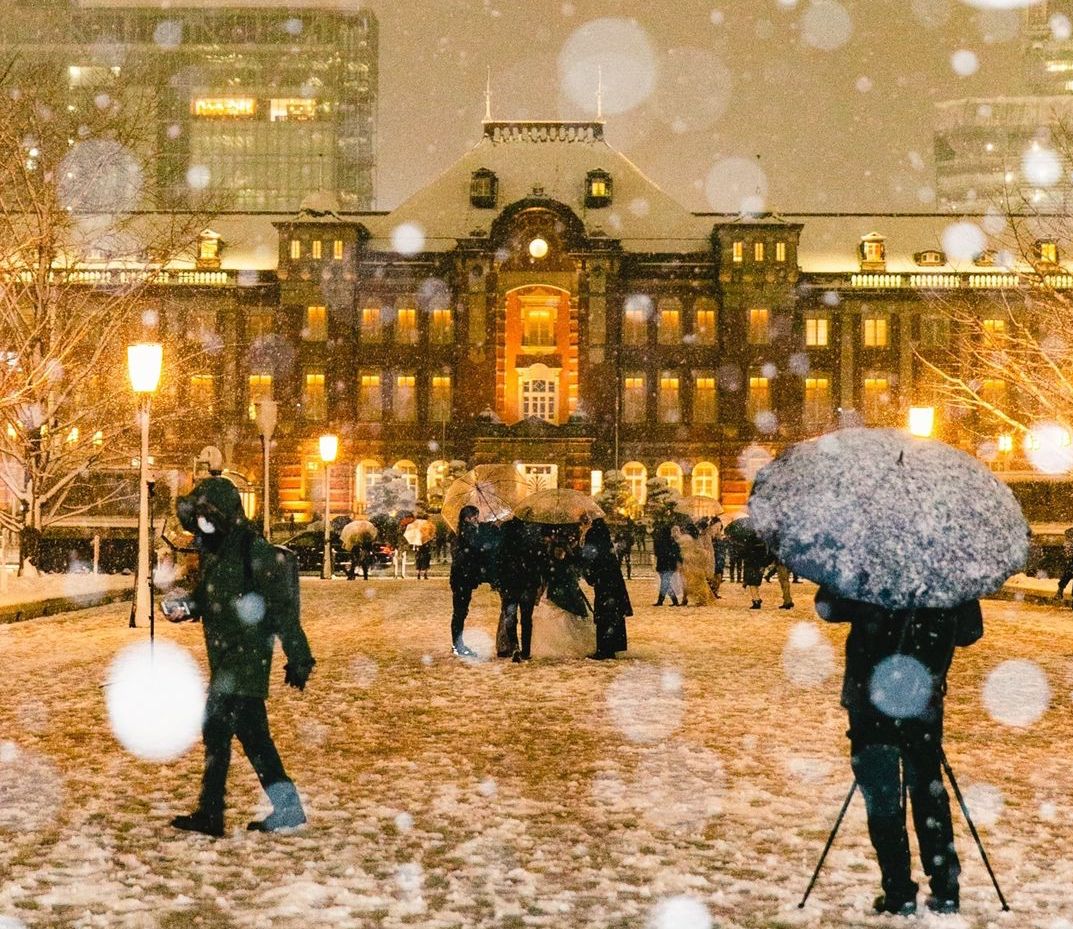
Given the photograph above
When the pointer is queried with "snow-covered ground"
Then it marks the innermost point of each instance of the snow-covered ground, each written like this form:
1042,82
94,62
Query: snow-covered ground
48,586
691,784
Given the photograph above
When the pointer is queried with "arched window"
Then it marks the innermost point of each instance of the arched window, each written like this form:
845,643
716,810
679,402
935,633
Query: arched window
436,477
670,473
366,474
636,475
705,480
408,470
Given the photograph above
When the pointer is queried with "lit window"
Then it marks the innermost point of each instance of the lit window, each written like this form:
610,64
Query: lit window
208,248
367,475
483,187
538,325
292,109
337,249
993,392
318,248
704,399
780,251
260,389
635,475
1048,252
540,398
635,322
759,398
223,107
670,472
816,335
705,480
758,251
875,331
202,392
738,251
406,324
669,322
439,402
404,406
668,398
439,331
370,400
759,333
314,402
817,411
316,327
296,249
994,328
876,397
704,326
370,323
633,398
598,188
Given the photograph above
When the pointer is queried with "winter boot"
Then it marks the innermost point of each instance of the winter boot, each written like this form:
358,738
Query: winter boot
200,821
461,650
756,605
896,906
287,812
789,605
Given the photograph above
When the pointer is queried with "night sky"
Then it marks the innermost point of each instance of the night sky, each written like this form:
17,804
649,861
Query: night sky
694,91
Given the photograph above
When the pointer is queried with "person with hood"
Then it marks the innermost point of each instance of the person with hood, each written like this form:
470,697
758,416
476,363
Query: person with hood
521,573
893,691
246,598
755,557
610,601
465,577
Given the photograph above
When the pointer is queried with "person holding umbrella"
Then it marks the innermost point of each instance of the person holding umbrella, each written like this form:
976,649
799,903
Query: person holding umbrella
521,572
611,601
903,535
465,577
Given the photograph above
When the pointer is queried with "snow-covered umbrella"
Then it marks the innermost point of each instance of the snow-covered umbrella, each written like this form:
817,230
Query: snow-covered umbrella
495,489
355,532
697,507
419,532
889,519
558,506
741,530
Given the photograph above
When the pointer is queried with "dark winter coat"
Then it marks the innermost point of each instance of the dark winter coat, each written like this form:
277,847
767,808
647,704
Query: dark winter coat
926,634
520,561
466,569
667,553
423,556
244,598
756,557
611,601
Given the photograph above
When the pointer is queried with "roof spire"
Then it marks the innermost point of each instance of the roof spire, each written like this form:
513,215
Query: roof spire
599,92
488,96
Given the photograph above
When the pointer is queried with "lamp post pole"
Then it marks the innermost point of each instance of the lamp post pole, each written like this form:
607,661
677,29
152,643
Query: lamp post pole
329,448
144,363
266,425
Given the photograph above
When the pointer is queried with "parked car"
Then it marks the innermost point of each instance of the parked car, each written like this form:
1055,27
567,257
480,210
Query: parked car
308,548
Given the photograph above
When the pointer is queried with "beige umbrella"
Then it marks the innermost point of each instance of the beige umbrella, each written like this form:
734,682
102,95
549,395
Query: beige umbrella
495,489
558,506
355,532
698,507
419,532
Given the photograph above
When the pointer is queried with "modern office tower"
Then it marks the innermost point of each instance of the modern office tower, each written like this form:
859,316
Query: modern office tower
269,104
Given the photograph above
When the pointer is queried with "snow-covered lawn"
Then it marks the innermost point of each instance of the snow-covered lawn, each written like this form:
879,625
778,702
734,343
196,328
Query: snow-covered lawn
709,763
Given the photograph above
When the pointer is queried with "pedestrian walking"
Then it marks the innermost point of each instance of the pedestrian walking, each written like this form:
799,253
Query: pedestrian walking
1067,563
718,542
423,560
697,565
624,549
735,560
247,597
755,557
611,601
783,574
521,572
893,691
465,577
668,557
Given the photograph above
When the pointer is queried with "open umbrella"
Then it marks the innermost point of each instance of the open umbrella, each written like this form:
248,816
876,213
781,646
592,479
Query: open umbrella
698,507
495,489
419,532
557,506
889,519
741,530
355,532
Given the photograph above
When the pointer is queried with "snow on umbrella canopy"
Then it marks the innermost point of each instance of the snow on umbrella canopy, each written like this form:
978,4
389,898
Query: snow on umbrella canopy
889,519
741,530
356,531
698,507
558,506
495,489
419,532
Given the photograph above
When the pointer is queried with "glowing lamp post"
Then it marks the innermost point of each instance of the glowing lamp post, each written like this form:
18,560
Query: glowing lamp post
144,361
921,421
329,448
266,425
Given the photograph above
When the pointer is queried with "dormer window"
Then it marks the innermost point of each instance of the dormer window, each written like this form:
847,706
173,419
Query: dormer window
929,258
208,250
984,259
483,189
1047,251
872,252
597,189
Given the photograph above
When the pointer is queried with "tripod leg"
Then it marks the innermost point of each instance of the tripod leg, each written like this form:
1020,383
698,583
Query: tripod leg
972,828
830,842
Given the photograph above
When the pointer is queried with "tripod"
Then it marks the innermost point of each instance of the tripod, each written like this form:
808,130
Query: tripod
964,809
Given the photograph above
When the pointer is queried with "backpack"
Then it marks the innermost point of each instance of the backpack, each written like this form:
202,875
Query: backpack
289,562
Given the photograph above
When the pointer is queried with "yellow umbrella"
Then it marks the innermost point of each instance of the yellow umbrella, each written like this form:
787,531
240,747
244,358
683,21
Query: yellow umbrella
558,506
495,489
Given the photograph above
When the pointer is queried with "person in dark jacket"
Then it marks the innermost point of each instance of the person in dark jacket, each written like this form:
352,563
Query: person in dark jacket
668,557
423,560
755,557
1067,563
520,572
465,577
611,601
245,600
893,691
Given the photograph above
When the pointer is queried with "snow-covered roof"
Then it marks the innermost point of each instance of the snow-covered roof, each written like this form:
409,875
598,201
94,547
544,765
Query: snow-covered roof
549,159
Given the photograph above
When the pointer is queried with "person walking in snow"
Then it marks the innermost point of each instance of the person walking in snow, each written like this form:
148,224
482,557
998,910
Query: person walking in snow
423,560
667,558
466,575
896,735
1067,563
611,601
521,573
755,557
246,598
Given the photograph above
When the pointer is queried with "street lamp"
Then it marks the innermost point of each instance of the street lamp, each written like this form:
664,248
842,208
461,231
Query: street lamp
921,421
266,426
329,448
144,360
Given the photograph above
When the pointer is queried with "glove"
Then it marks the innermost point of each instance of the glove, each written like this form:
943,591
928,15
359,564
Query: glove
297,677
